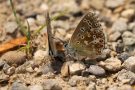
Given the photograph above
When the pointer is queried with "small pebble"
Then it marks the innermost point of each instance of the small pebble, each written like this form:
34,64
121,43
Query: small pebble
123,56
40,54
128,38
119,48
119,25
114,36
114,3
29,69
78,80
128,13
46,68
10,27
51,85
111,64
65,69
129,64
10,71
18,86
76,68
96,70
126,77
6,67
131,26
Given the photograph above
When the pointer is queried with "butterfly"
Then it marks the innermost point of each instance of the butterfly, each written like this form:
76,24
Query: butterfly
88,39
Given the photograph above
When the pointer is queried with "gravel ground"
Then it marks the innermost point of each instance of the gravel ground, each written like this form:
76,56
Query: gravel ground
113,71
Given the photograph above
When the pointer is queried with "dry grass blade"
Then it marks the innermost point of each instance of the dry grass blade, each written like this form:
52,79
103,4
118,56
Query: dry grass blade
12,44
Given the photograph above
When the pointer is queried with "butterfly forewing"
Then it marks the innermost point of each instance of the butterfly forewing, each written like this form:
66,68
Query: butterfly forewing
88,38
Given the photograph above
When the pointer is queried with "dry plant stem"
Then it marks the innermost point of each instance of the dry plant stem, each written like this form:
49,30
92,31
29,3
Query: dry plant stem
29,44
52,48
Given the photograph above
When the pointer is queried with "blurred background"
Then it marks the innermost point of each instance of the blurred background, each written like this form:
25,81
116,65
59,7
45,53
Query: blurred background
117,18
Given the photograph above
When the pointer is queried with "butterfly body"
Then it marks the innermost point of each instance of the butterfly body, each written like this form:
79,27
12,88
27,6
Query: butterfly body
88,38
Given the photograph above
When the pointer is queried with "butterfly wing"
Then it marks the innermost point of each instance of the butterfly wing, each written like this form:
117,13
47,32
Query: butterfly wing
88,38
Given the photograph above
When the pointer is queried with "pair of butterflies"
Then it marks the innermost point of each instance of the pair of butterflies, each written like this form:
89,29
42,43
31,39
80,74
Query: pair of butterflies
87,40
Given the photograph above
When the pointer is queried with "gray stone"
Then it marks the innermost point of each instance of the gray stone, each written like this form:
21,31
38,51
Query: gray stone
29,69
51,84
128,38
129,64
14,57
114,3
125,76
119,47
114,36
46,68
128,13
9,71
111,64
40,54
65,68
76,68
6,67
96,70
119,25
131,26
18,86
10,27
123,56
22,68
78,80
